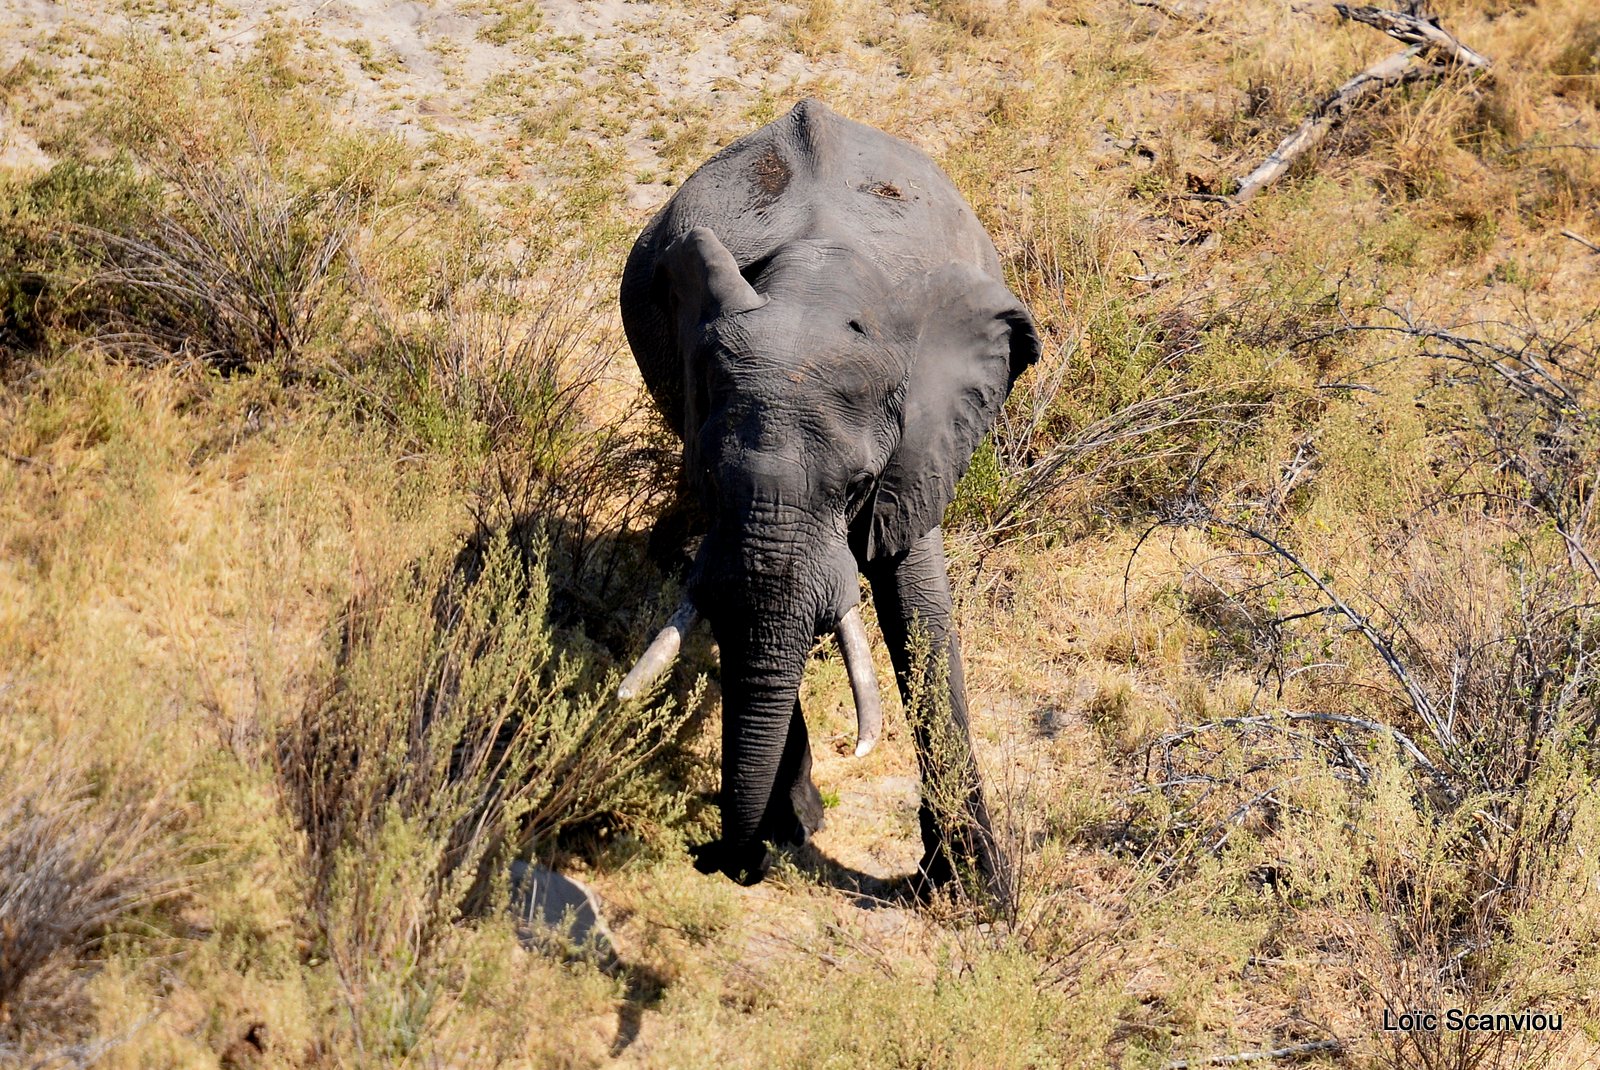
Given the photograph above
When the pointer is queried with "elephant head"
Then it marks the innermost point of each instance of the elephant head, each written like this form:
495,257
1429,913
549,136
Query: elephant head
828,411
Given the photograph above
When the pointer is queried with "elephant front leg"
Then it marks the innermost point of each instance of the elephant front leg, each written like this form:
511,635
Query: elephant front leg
912,595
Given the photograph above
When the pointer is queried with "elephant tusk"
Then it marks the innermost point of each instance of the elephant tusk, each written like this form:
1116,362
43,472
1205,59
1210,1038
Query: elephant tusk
852,636
663,651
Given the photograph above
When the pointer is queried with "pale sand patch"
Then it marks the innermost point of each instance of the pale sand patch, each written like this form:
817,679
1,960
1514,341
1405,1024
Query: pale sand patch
18,150
416,70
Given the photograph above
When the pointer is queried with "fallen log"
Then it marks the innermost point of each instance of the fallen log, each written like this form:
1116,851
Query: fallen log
1177,12
1396,70
1293,1051
1439,51
1415,30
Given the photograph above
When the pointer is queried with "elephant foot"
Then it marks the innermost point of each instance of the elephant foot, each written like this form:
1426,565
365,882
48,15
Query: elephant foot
808,813
979,869
743,865
748,865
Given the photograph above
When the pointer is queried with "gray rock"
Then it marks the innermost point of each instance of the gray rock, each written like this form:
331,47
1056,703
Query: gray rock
560,914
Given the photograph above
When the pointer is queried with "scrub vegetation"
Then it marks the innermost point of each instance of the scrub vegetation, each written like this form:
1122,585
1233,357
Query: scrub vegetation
326,486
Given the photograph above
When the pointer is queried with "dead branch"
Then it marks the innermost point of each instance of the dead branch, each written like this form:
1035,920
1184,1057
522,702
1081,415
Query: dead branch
1405,742
1554,374
1581,240
1581,146
1293,1051
1105,445
1413,751
1413,30
1235,819
1440,49
1177,12
1395,70
1421,704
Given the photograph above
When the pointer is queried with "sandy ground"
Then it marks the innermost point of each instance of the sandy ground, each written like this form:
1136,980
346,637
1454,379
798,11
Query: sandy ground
419,70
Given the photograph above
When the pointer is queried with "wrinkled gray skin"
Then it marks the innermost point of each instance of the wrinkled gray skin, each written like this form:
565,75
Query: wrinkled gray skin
822,320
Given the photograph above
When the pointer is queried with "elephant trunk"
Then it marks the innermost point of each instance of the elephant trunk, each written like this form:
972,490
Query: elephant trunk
764,753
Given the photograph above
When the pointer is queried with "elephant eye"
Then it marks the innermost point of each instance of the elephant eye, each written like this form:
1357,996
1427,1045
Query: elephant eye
855,325
860,487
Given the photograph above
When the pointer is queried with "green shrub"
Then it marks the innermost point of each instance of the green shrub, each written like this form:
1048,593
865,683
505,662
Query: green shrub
452,736
41,268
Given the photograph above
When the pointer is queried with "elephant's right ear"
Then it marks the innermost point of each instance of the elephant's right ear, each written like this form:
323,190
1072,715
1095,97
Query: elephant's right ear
704,283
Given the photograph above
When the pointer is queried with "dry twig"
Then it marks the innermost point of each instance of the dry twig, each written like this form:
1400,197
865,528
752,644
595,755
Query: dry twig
1581,240
1177,12
1293,1051
1439,49
1421,704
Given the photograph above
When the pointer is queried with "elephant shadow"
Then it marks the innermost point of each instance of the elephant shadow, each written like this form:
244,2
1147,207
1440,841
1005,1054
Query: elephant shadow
601,582
863,890
643,989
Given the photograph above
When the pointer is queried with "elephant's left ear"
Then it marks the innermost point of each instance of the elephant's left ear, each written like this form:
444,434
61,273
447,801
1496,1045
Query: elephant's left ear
974,339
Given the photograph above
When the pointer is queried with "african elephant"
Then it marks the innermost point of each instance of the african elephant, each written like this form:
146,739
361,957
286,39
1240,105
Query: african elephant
822,320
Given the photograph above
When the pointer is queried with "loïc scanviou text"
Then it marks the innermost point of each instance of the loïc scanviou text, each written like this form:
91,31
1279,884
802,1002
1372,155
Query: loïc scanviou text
1459,1020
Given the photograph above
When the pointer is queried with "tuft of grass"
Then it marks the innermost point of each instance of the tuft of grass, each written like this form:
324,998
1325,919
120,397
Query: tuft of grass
816,29
517,23
78,863
41,266
235,274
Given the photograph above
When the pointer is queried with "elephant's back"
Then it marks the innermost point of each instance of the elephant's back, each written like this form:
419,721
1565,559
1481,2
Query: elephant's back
809,174
815,174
